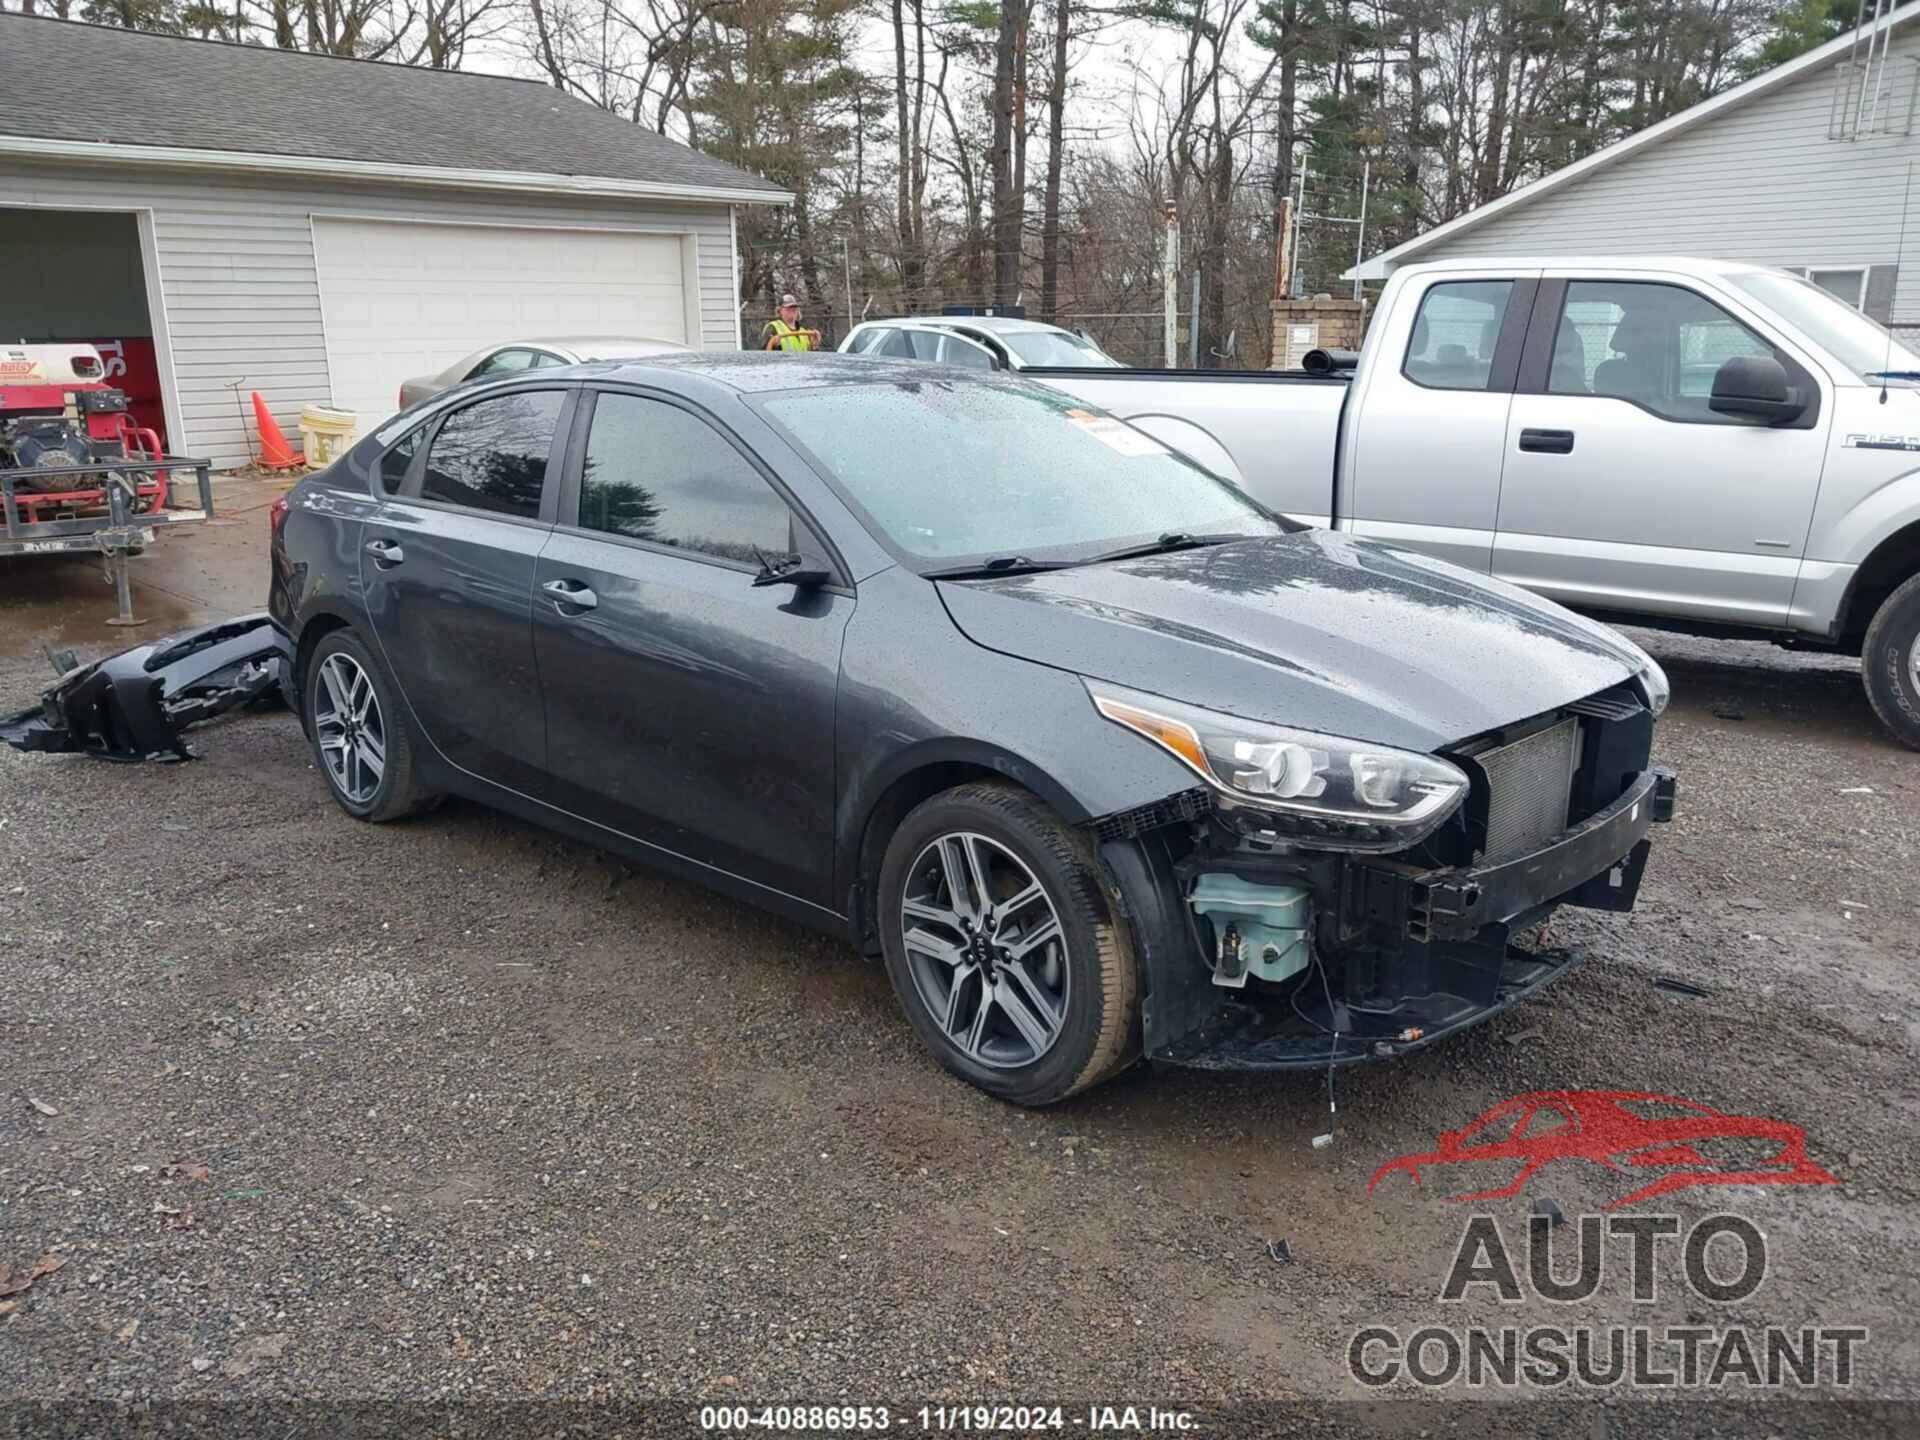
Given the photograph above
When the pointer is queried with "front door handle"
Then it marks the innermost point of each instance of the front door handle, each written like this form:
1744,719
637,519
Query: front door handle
1547,442
570,595
385,552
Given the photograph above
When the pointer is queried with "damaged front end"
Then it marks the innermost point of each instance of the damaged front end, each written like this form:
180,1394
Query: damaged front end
1278,931
135,705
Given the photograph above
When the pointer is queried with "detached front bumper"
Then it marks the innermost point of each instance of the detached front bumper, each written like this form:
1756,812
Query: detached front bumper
1404,956
136,705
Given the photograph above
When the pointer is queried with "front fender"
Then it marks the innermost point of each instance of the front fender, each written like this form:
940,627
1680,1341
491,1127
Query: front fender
916,693
1854,520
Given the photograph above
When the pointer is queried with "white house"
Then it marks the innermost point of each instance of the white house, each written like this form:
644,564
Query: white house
1805,166
319,229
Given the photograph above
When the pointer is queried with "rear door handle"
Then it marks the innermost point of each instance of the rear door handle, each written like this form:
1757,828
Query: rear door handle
570,595
1547,442
385,552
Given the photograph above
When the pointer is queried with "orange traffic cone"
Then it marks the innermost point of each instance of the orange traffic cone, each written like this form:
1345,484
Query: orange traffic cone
275,453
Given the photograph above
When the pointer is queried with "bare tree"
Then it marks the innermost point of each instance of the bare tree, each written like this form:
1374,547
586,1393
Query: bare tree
1003,158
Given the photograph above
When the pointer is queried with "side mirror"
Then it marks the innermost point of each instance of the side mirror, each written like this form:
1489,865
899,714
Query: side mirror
1755,385
789,568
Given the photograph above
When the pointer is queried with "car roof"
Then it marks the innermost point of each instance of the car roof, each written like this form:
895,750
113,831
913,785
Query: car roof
1602,264
755,372
607,346
594,347
997,324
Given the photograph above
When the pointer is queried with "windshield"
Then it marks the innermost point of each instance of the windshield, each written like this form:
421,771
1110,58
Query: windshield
1855,340
975,470
1056,347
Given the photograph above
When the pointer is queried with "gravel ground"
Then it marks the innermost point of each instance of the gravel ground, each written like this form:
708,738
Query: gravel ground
456,1110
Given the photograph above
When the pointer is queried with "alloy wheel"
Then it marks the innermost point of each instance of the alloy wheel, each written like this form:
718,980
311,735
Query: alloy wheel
1913,664
349,727
986,950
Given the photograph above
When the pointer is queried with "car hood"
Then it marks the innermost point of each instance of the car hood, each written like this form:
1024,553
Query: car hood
1318,630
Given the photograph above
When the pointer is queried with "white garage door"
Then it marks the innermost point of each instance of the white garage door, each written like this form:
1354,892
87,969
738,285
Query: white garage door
408,299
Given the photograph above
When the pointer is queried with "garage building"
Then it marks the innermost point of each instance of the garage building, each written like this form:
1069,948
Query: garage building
319,229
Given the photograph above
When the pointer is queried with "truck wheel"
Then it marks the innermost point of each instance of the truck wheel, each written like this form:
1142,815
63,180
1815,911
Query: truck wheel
361,740
1890,663
1001,947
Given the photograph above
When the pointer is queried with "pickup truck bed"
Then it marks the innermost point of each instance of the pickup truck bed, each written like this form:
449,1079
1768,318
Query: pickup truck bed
1276,432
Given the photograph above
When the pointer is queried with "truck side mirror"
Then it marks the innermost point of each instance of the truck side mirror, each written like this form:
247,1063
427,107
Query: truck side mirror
1756,385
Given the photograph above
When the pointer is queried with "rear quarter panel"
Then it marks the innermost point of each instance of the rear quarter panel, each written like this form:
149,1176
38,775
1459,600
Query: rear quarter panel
316,561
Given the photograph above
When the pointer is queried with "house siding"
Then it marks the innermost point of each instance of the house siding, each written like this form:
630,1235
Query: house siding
1761,182
240,290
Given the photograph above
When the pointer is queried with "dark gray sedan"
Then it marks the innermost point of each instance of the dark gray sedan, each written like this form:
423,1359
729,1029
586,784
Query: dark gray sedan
1101,757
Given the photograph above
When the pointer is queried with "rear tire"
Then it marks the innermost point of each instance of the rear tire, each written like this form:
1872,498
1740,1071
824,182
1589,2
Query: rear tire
1054,973
362,740
1890,663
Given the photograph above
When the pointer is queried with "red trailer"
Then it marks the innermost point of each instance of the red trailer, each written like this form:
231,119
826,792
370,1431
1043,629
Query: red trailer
77,472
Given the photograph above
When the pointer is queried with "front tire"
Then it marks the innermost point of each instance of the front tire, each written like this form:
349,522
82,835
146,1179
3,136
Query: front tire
361,740
1002,949
1890,663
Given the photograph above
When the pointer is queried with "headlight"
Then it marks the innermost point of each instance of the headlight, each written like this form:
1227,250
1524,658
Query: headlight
1319,789
1654,680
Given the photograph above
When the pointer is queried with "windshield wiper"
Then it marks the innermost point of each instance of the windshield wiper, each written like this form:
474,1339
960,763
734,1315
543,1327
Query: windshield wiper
998,565
1893,375
1166,544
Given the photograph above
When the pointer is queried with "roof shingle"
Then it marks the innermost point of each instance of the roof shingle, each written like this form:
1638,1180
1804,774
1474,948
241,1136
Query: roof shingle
158,90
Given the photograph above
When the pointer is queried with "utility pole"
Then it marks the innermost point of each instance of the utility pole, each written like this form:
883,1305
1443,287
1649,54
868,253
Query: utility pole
1299,211
846,269
1193,324
1171,282
1360,236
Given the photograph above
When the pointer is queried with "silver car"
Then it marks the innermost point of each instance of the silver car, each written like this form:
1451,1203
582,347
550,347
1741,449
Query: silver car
983,342
514,355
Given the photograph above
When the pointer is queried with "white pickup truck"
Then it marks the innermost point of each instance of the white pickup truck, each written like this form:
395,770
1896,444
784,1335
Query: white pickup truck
1714,447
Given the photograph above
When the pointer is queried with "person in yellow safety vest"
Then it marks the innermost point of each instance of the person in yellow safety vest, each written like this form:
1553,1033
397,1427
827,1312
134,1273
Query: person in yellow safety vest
783,332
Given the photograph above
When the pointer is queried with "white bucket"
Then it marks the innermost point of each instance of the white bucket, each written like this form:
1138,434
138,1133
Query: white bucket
325,434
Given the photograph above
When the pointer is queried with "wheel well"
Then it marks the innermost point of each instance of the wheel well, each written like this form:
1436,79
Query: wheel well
1893,561
892,807
317,629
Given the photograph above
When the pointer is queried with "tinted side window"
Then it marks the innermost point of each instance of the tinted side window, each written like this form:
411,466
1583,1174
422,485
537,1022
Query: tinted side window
493,455
655,472
396,462
1455,333
1657,346
891,342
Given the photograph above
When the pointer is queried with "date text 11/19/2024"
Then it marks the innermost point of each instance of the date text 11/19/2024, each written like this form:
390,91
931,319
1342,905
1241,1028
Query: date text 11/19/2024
944,1419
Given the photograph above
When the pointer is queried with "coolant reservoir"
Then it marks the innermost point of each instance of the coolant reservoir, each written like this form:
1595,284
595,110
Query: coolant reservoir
1258,930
